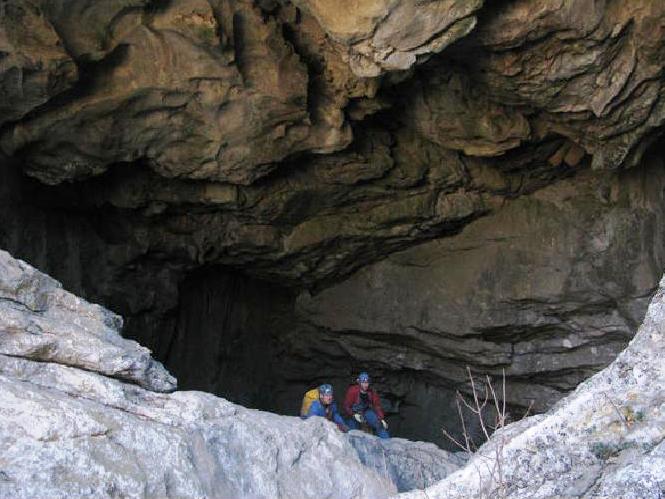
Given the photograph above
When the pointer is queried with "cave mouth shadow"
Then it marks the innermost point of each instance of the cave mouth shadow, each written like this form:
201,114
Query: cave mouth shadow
241,338
226,338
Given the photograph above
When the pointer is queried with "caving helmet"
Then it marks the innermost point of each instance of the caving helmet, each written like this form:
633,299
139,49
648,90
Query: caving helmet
325,389
363,377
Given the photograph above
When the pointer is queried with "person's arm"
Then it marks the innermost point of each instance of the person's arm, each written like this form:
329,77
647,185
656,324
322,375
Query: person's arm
315,409
376,403
337,418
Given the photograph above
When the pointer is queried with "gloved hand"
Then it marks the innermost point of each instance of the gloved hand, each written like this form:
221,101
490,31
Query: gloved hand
385,425
343,428
359,417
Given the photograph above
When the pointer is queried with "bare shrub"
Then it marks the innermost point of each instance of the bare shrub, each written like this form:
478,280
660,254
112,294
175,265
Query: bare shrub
485,400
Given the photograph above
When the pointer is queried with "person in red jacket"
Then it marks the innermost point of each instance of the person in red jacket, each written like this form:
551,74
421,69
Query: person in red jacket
362,404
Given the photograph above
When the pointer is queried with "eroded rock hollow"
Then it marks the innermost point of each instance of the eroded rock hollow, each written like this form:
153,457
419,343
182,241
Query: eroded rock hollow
275,194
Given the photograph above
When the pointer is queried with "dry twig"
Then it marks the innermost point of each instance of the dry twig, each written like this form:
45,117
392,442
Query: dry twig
477,406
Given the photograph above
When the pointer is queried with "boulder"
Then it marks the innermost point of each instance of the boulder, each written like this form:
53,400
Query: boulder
42,322
410,465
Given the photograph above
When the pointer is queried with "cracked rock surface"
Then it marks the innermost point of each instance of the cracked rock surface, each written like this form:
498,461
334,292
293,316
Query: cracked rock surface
41,321
225,89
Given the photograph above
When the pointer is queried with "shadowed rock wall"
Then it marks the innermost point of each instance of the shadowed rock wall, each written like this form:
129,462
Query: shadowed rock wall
550,288
228,333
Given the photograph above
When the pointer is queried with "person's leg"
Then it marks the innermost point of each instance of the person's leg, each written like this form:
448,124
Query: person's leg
373,421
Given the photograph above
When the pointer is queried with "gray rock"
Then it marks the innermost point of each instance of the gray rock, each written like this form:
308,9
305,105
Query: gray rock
192,95
604,440
70,428
41,321
409,465
72,433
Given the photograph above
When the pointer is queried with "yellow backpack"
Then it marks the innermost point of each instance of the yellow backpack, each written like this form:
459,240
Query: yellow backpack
307,400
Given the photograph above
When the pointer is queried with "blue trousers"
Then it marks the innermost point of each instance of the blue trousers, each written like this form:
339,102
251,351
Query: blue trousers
372,420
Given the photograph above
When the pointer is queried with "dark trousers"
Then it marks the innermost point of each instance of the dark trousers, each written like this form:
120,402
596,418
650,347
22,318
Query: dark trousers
373,421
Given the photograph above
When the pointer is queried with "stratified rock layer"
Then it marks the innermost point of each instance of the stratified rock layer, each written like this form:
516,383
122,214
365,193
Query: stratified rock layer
198,90
223,90
72,432
41,321
390,35
549,289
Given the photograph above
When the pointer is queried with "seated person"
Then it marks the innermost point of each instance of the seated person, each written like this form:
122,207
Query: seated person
326,408
362,404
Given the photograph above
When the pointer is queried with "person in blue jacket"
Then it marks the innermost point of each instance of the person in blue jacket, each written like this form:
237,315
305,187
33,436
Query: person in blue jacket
326,407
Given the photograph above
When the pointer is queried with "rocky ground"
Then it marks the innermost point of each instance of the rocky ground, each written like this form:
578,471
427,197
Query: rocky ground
85,412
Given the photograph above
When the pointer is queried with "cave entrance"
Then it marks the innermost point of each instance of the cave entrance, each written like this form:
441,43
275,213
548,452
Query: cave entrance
550,288
227,336
241,338
246,339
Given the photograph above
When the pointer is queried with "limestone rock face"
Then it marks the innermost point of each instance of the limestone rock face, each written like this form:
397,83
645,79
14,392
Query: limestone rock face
198,90
588,68
224,90
71,428
70,433
389,35
487,175
41,321
35,66
606,439
447,110
411,465
435,309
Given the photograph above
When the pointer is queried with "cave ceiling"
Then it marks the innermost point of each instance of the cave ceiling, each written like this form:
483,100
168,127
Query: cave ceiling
304,140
